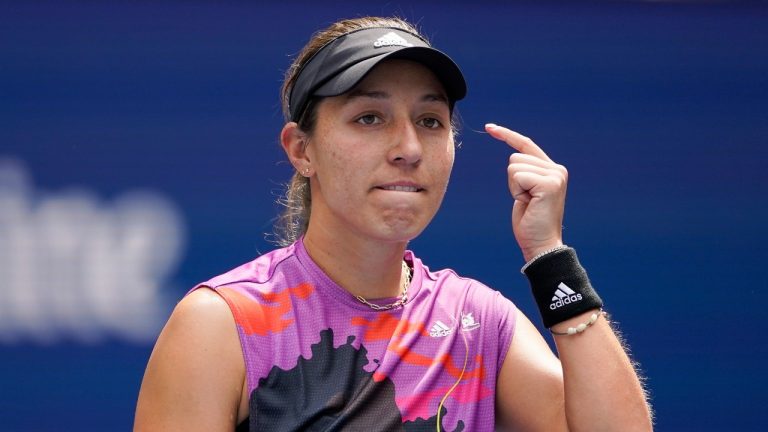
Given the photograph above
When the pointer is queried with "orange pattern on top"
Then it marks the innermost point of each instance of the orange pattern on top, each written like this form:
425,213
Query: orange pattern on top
265,315
387,327
445,360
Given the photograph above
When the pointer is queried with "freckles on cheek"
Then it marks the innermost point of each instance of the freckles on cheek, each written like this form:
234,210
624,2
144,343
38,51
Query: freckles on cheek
336,159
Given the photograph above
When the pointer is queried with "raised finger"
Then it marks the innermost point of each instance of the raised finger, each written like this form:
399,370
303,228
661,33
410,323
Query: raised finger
519,142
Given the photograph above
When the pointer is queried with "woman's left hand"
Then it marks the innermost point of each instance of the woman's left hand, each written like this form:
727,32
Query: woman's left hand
538,186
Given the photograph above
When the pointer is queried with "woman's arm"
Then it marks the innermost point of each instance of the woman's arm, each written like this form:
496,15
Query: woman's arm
194,379
593,387
596,387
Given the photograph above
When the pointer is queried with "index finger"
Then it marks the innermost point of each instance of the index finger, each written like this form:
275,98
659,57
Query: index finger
517,141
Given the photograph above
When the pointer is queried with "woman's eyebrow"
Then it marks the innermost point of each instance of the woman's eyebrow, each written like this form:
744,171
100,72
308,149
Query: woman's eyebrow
435,97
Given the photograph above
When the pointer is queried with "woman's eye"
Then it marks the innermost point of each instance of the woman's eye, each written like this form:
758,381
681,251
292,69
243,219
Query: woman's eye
368,119
430,123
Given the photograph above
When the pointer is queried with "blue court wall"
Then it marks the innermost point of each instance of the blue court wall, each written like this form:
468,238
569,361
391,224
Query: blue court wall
139,155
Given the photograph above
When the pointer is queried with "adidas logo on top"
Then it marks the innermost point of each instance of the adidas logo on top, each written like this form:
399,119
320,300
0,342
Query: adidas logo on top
391,39
439,329
564,295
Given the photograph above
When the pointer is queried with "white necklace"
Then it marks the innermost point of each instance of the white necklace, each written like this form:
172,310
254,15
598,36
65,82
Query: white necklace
401,301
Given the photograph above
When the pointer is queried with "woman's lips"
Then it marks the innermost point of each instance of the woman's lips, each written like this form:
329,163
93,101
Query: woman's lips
400,188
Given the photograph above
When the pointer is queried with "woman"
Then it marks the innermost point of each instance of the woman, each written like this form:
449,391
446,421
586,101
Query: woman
343,328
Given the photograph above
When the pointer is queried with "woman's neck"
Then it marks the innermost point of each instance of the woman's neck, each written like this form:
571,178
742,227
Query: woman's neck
364,267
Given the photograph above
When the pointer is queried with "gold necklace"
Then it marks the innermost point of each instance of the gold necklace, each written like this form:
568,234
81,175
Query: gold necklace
401,301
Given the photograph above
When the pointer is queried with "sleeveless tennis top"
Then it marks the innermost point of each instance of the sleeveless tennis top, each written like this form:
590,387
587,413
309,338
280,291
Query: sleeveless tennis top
317,359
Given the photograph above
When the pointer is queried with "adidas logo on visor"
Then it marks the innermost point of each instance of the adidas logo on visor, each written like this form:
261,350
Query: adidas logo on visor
564,295
391,39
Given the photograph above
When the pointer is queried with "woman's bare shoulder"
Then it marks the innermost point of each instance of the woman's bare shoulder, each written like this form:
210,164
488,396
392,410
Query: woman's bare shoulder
203,304
195,374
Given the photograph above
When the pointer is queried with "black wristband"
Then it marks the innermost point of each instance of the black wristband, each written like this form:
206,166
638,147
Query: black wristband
561,287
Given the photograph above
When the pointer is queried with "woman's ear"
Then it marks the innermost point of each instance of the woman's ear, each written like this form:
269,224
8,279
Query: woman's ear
294,142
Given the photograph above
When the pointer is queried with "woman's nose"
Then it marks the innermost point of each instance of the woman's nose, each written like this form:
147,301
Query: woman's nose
408,147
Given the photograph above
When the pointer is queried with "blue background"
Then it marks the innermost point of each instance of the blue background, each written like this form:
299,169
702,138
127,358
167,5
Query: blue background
658,109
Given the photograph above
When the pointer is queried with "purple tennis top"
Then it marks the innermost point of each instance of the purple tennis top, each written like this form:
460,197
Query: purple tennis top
317,359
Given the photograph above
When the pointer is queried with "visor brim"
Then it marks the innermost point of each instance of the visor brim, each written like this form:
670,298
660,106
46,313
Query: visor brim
446,71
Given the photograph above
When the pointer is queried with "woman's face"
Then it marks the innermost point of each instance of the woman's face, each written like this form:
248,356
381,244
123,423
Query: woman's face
381,154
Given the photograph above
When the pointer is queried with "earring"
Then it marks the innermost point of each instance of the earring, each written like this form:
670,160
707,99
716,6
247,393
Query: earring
305,172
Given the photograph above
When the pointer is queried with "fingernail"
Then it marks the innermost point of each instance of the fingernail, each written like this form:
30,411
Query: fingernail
491,125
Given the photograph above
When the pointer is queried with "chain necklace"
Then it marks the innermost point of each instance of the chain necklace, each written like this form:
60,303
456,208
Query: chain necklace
401,301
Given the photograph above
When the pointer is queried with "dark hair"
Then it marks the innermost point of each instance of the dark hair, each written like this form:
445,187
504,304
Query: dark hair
294,220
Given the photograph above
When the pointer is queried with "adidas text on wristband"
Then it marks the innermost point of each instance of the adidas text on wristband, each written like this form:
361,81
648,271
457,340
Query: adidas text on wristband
561,287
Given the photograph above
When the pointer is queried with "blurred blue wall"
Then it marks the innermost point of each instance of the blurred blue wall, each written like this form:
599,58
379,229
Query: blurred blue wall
141,139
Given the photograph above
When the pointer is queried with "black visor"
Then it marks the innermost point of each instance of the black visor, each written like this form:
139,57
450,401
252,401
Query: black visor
343,62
